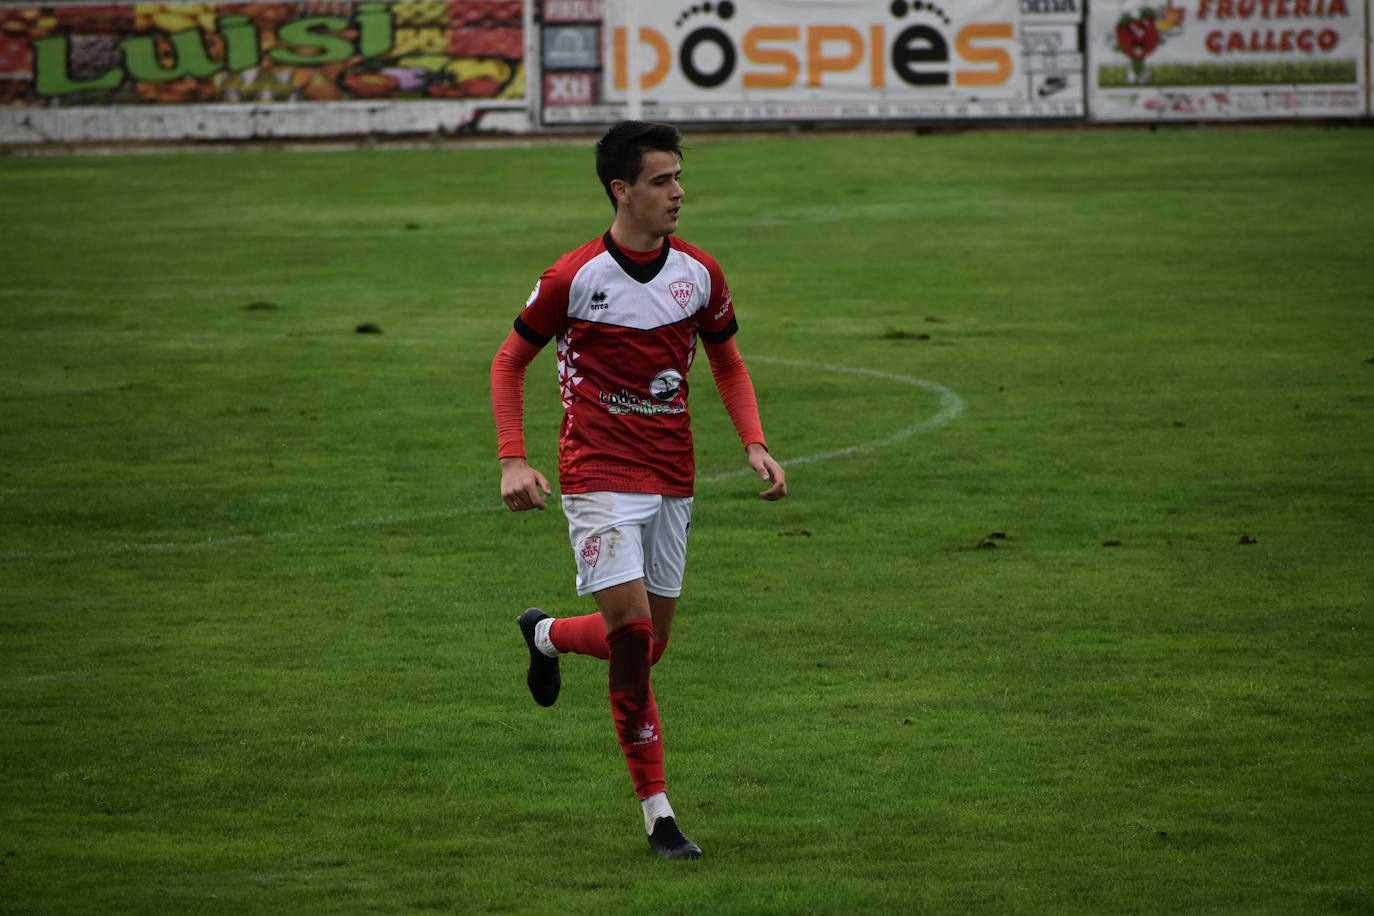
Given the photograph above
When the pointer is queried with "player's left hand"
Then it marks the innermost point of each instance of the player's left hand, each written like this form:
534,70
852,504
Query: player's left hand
769,470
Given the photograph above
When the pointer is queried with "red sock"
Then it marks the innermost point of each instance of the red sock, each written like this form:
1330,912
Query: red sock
586,635
633,707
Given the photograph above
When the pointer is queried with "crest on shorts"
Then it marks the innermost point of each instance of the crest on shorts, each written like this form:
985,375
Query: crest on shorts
589,549
682,292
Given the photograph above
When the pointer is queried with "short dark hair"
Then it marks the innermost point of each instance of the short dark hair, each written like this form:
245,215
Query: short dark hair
620,154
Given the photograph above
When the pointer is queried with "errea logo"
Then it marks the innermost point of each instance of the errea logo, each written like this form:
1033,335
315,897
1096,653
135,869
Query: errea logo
599,299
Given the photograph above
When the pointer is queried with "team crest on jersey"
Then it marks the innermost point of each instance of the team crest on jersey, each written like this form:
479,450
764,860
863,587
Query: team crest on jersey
590,550
682,292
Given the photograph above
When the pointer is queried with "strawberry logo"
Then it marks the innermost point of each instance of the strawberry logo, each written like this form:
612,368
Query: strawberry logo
1138,34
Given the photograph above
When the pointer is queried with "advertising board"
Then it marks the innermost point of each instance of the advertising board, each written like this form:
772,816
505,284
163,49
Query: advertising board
173,70
762,60
1223,59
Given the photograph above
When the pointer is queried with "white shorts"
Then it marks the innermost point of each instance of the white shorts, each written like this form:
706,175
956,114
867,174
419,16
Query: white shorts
620,537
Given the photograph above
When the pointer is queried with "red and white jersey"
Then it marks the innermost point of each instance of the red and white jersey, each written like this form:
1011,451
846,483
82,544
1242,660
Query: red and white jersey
627,334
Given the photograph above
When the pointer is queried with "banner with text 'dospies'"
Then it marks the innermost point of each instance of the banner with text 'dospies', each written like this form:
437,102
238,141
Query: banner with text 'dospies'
762,60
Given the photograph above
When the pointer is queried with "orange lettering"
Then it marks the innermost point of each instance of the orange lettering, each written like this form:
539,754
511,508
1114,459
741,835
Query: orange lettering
775,57
964,44
878,61
817,63
663,54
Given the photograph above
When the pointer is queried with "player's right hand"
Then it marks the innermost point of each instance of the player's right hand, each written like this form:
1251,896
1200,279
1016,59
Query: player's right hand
520,486
769,471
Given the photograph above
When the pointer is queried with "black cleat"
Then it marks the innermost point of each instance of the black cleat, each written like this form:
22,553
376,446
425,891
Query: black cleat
670,842
542,675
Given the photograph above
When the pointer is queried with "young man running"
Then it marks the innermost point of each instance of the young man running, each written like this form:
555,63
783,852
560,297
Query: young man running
626,310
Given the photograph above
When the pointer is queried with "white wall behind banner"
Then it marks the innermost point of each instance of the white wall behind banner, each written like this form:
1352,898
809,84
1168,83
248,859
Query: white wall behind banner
1224,59
763,60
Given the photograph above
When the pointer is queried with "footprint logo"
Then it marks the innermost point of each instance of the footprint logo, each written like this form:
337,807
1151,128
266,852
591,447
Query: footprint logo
724,9
900,8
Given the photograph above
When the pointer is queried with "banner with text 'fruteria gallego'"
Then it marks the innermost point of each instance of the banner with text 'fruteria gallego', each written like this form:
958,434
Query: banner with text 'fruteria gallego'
826,60
1227,59
147,71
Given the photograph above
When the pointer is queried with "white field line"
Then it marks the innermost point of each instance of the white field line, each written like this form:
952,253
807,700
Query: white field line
951,405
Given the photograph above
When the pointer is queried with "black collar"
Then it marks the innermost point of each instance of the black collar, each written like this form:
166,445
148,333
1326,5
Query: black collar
640,273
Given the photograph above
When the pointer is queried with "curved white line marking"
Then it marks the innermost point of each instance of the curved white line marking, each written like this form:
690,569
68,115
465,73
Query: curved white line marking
951,405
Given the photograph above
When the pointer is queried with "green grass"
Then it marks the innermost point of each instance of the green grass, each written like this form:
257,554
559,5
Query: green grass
257,593
1267,73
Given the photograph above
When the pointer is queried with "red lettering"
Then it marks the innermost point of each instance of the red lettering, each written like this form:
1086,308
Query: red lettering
1337,8
1224,10
1266,6
1302,8
1246,8
1204,9
1282,12
1260,41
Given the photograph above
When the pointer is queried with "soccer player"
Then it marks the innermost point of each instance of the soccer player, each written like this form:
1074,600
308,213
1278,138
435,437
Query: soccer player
626,310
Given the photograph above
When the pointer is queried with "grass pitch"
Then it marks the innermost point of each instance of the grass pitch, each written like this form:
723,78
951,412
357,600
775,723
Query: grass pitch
257,594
